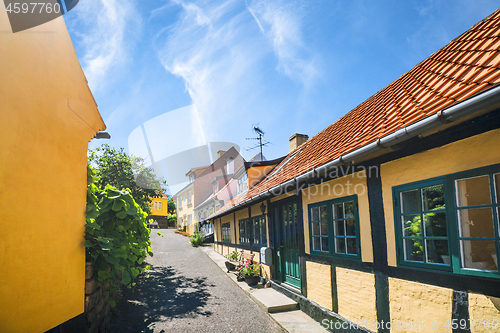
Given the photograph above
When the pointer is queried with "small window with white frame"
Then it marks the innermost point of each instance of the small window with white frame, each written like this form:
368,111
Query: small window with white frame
158,205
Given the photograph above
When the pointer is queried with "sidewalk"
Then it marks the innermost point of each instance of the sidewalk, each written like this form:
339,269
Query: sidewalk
282,309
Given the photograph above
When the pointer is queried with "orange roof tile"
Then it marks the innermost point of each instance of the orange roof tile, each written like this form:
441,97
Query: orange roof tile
466,66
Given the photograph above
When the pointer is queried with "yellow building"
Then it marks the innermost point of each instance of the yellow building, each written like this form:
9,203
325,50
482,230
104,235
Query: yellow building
389,219
47,118
185,202
159,211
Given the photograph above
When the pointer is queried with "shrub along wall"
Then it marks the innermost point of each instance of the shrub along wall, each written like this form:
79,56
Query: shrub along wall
117,242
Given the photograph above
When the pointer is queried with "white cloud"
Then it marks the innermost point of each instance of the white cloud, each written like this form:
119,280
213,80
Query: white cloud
107,25
222,51
281,22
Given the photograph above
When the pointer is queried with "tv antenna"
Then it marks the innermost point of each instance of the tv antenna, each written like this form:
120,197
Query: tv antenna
261,143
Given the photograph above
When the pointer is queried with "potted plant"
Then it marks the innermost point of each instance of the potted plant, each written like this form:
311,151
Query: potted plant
251,272
233,256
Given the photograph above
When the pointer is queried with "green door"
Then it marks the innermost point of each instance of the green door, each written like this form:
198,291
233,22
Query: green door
286,243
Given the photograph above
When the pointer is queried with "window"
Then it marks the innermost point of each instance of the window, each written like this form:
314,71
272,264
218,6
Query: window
180,202
422,223
253,231
158,205
243,184
334,227
226,232
259,230
189,198
230,166
245,231
451,223
190,219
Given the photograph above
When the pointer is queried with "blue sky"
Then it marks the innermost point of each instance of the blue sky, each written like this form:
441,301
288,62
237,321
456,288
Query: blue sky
190,72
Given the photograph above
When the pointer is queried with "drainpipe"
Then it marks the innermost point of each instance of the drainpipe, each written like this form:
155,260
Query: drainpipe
485,101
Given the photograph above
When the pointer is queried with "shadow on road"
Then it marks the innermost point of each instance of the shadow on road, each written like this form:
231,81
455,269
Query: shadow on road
163,296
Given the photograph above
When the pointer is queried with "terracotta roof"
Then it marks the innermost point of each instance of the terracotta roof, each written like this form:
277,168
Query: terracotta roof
466,66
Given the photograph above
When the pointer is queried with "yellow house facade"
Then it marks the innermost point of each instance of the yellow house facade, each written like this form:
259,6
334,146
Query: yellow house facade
48,116
389,219
185,209
159,211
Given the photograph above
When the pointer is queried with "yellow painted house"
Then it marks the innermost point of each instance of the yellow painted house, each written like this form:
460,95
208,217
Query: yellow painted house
388,220
47,118
159,211
185,202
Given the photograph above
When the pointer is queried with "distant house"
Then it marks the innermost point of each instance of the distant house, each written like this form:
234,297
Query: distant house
159,211
184,201
47,117
392,213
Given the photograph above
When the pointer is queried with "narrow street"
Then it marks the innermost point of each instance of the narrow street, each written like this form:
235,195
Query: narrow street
187,292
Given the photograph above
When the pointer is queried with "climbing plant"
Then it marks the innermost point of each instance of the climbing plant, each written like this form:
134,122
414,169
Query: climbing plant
116,234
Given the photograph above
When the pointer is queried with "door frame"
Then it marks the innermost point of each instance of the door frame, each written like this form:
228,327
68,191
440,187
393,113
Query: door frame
275,240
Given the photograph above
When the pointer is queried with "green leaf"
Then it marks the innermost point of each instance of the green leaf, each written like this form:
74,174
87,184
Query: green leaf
121,214
126,277
111,302
88,243
135,272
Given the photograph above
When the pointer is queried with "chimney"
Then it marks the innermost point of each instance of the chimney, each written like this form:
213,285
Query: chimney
297,139
220,153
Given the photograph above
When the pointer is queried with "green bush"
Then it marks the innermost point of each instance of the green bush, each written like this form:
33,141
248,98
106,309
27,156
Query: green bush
196,239
116,234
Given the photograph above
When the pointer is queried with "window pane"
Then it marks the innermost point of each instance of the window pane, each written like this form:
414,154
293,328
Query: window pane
316,244
435,224
350,229
478,254
322,212
497,186
473,191
433,197
437,251
324,244
340,245
412,226
338,211
315,228
351,246
324,228
410,201
349,210
314,213
414,249
476,222
339,228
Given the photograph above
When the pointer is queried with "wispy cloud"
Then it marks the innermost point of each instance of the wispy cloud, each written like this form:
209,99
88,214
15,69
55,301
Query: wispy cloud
281,22
106,24
222,51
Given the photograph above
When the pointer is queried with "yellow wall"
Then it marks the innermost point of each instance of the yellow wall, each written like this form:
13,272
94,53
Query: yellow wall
319,284
338,188
412,302
470,153
482,307
43,176
186,209
356,296
164,206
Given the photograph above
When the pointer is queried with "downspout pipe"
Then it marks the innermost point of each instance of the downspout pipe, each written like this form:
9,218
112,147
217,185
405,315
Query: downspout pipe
485,101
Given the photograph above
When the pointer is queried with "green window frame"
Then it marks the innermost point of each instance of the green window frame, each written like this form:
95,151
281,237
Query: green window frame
253,231
226,232
471,208
245,231
334,228
259,230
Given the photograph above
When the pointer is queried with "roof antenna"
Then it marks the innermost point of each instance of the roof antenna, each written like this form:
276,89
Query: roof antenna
261,143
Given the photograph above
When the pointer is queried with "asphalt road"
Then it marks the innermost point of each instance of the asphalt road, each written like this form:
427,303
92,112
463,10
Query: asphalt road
187,292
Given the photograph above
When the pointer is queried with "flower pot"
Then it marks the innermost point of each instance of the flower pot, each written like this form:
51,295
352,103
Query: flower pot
494,257
252,280
446,259
230,266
